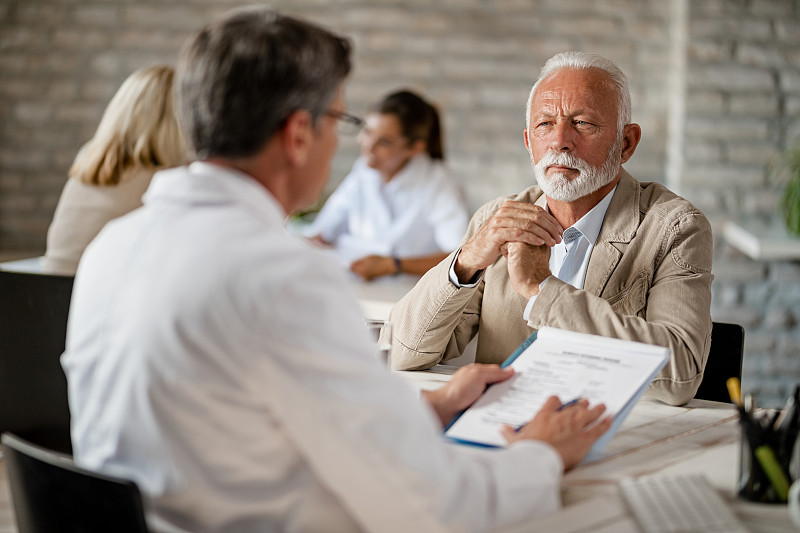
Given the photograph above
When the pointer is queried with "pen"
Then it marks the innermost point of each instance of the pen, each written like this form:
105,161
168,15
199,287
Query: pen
560,407
735,391
769,463
567,404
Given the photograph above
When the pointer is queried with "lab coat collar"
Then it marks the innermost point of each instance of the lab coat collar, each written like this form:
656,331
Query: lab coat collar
203,183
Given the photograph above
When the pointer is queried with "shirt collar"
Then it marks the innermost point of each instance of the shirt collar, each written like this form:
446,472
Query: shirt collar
207,183
589,225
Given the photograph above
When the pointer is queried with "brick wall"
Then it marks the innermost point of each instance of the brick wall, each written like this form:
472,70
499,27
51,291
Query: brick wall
714,85
742,108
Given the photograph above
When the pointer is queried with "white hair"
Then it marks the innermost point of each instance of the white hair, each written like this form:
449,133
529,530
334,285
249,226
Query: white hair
580,61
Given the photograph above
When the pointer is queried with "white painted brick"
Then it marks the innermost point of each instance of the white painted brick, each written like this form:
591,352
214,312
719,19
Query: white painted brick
730,78
793,106
745,316
728,128
753,153
788,31
706,102
40,14
771,8
96,14
11,183
715,7
36,112
790,81
784,272
78,112
722,177
156,15
761,55
761,105
13,63
22,38
704,152
710,50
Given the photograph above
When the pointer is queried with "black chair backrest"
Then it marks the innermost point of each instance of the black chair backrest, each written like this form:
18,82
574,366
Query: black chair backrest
33,330
53,495
724,361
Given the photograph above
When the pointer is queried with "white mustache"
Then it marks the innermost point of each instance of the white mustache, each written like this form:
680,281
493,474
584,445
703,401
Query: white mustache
563,159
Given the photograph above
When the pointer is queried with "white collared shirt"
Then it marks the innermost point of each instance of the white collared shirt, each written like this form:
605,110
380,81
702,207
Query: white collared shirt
420,211
223,366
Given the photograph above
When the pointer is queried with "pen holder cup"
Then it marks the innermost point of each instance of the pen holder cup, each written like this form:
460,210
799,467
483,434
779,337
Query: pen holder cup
754,481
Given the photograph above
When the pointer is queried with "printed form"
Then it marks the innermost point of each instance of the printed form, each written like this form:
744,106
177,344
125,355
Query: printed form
569,365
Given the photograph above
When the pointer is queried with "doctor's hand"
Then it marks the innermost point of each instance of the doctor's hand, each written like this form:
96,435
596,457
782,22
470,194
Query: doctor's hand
373,266
571,431
466,386
513,222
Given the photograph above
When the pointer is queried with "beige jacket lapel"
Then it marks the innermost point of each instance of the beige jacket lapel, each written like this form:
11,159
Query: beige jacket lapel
617,231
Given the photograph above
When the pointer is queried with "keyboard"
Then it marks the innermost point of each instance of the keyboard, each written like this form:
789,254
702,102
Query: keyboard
678,504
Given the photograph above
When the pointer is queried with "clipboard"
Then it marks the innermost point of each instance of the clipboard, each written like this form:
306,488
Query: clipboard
601,369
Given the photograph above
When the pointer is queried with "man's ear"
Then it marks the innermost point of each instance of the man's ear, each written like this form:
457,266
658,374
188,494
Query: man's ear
296,136
631,136
526,140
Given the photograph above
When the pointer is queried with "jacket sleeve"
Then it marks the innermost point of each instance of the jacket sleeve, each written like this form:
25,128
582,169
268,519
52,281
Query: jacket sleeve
436,320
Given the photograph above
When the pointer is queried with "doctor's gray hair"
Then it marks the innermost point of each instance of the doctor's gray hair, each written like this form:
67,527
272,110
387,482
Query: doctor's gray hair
239,79
583,60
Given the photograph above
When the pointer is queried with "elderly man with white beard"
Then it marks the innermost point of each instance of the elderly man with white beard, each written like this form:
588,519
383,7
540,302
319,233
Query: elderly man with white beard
589,249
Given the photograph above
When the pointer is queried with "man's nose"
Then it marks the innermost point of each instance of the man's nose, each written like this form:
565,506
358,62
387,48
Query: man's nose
563,137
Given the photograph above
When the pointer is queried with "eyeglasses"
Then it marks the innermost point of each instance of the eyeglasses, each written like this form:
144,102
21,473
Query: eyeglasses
348,124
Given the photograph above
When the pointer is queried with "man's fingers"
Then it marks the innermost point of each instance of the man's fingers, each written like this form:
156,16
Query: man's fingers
528,216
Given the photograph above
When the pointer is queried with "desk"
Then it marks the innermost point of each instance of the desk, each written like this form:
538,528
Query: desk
379,295
31,264
701,437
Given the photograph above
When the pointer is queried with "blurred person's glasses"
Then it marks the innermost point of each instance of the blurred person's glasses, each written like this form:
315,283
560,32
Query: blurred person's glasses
348,124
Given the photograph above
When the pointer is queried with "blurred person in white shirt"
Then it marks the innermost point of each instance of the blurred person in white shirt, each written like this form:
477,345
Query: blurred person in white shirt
399,210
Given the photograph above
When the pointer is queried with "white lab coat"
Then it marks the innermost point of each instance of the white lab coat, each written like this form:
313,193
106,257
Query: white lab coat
223,365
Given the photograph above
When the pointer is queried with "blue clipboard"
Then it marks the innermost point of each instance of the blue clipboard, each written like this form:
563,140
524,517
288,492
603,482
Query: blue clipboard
602,442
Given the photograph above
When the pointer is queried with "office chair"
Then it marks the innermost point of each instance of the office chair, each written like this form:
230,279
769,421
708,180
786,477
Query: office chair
724,361
53,495
33,330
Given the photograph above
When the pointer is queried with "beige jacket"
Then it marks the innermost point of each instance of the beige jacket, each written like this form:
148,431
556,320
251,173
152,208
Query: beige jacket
83,210
649,279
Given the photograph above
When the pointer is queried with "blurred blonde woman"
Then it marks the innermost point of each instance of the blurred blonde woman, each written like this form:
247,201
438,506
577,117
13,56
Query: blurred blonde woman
138,135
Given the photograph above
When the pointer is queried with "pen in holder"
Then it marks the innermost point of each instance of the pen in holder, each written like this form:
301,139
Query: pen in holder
770,452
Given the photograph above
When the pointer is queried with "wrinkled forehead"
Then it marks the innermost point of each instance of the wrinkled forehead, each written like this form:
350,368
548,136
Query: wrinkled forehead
569,91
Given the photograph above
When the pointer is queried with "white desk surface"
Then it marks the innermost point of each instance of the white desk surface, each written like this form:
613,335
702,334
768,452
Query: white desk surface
376,297
379,295
701,437
30,264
